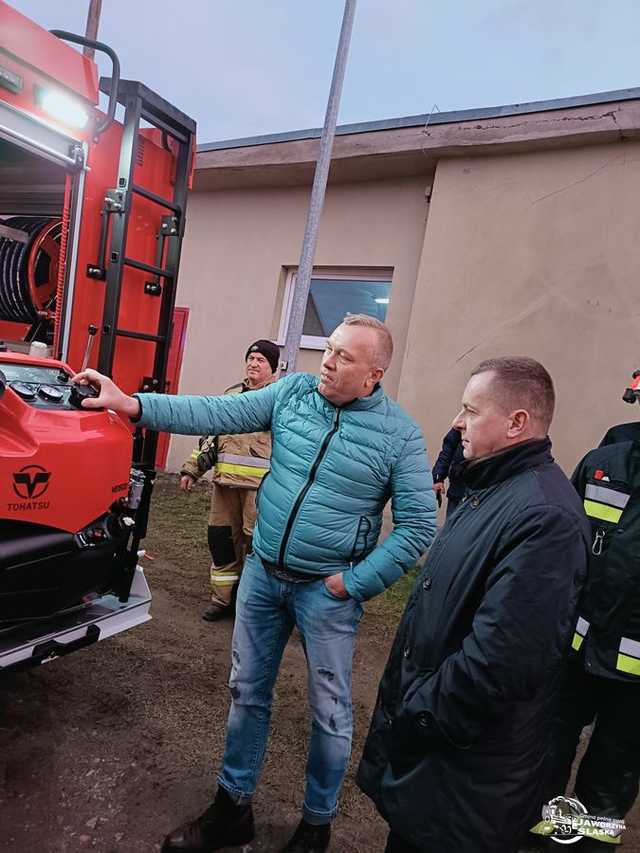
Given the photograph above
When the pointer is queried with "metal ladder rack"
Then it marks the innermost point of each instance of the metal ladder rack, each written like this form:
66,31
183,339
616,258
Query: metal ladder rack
140,103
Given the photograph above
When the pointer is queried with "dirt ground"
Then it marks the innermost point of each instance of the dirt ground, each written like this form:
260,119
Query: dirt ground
110,748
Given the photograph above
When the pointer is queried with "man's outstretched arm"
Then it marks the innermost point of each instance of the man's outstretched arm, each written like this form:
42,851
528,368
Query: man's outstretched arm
186,414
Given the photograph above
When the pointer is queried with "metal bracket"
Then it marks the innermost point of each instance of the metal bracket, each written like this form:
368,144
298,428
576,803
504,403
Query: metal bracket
76,152
98,273
149,384
114,202
153,288
169,226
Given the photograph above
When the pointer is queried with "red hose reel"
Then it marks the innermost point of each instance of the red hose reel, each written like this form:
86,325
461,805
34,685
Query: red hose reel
29,268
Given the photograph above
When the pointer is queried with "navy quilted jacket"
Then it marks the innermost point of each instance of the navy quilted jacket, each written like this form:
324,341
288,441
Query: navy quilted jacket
333,469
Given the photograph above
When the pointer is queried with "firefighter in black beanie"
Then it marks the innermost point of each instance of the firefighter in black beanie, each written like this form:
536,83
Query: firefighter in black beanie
239,463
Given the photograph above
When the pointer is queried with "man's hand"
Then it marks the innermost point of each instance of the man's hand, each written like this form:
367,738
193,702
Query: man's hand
440,491
335,585
187,482
110,397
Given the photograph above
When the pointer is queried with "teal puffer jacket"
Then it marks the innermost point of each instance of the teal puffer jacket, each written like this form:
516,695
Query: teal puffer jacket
333,469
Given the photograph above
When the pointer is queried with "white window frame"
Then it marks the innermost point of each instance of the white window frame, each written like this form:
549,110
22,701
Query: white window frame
316,342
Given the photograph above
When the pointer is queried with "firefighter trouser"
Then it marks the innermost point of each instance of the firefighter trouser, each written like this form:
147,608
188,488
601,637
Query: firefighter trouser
231,523
607,778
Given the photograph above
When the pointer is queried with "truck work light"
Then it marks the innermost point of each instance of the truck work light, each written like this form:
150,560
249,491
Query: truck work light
62,107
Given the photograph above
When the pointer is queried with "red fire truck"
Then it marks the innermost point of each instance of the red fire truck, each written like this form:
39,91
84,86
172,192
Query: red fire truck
92,214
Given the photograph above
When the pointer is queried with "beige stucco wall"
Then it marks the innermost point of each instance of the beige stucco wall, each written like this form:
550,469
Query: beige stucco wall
535,254
236,245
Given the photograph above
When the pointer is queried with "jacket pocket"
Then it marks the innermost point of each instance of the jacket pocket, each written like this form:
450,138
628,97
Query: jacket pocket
361,540
607,597
333,597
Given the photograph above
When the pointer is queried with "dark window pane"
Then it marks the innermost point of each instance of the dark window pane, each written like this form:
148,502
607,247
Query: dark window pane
331,299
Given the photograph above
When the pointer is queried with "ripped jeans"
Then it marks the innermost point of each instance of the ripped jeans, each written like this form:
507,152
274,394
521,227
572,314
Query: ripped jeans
267,610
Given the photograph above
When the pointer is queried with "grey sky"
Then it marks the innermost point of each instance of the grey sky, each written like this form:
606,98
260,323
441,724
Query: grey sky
247,67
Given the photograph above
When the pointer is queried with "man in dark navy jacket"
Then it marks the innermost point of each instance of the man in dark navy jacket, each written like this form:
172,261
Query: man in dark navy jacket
456,756
448,465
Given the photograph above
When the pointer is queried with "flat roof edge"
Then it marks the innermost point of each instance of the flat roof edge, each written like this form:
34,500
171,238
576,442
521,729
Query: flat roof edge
429,118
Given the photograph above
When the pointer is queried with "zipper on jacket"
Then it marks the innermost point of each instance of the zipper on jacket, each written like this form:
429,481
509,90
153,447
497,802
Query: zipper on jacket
596,548
354,551
307,486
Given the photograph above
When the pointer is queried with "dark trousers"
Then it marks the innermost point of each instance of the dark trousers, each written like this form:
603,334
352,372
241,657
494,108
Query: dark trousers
452,505
395,844
609,773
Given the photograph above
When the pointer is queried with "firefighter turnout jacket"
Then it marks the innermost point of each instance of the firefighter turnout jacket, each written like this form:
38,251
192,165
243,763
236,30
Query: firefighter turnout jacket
608,630
239,461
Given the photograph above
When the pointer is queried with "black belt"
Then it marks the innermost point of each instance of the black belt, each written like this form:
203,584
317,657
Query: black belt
288,575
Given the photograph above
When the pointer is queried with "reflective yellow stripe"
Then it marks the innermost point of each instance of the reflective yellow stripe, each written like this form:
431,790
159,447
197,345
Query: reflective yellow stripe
629,656
252,461
628,664
576,642
243,470
602,511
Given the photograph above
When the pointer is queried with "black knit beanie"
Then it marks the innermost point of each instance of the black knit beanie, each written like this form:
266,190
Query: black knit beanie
269,350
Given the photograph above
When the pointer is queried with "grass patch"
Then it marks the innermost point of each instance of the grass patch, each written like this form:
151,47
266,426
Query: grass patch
178,535
388,607
178,520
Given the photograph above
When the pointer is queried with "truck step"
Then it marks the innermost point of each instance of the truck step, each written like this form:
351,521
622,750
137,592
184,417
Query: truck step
45,641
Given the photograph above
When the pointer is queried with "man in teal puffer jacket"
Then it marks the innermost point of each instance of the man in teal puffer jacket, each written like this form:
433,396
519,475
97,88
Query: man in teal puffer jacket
341,450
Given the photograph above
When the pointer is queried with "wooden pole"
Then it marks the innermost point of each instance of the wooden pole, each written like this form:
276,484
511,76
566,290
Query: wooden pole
93,22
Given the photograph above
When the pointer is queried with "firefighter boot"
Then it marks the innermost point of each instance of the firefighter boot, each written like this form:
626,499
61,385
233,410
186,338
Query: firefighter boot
309,838
219,611
223,824
215,614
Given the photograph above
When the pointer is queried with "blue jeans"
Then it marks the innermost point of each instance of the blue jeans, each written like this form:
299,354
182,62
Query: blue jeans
267,610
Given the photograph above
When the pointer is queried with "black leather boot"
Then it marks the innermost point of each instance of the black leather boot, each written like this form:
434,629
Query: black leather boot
309,838
223,824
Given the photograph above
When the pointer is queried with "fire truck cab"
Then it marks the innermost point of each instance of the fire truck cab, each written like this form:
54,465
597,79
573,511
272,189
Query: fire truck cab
92,215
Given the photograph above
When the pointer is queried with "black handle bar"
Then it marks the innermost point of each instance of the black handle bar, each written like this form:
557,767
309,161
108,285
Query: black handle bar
115,72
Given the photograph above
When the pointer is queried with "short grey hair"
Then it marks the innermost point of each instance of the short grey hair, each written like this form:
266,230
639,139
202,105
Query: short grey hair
521,382
384,350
